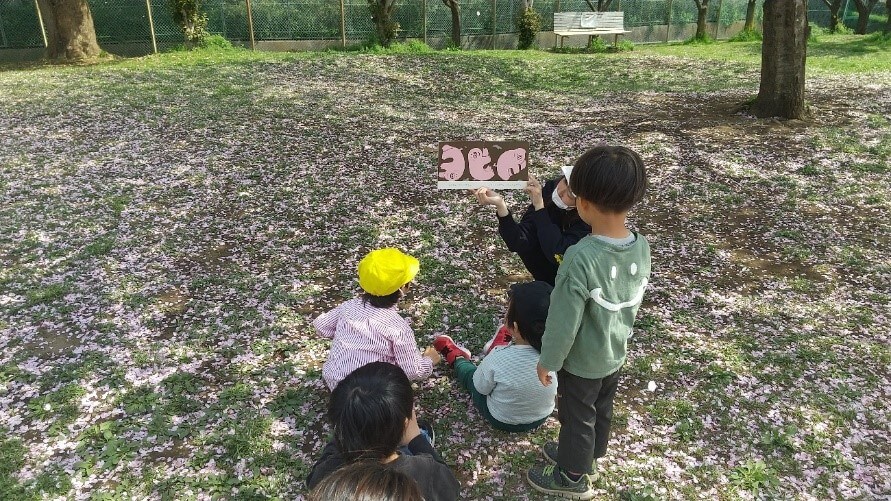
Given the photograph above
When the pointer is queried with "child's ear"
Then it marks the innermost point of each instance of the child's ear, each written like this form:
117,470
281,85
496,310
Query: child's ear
515,330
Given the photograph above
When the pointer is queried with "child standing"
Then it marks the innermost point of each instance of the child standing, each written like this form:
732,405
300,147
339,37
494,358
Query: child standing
504,387
599,288
368,329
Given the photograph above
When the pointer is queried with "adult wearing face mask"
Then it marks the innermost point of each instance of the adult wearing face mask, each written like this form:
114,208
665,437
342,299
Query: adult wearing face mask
548,227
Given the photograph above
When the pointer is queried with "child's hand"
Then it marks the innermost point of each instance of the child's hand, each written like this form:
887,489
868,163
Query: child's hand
433,355
544,375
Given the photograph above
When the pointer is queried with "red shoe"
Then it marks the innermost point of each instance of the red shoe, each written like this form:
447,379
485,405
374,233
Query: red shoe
502,338
447,347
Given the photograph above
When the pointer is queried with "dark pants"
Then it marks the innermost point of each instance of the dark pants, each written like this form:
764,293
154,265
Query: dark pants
464,370
585,409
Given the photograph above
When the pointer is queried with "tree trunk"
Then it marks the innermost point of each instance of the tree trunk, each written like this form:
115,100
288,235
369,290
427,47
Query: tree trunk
888,11
70,34
701,17
783,55
456,21
834,7
864,8
750,16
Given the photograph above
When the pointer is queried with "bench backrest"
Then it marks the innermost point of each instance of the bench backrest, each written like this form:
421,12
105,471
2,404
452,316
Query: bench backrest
589,21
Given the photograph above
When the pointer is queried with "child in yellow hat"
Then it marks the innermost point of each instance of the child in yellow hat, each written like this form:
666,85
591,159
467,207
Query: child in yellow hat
368,329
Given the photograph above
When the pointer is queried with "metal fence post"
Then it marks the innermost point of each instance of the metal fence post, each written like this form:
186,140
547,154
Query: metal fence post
5,42
250,20
42,27
718,19
668,23
494,22
148,8
342,24
424,22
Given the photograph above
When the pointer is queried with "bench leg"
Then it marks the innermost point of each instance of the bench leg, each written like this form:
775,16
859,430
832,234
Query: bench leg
616,42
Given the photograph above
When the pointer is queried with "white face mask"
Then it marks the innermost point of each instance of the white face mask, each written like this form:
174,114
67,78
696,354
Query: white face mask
555,197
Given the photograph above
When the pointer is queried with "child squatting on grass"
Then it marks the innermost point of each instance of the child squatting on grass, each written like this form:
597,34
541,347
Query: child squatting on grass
372,413
598,290
368,329
504,387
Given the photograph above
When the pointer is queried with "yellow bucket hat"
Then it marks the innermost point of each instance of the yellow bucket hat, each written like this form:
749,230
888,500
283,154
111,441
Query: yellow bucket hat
383,271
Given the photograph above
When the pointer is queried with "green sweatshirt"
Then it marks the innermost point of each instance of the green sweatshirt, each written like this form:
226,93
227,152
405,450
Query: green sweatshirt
598,290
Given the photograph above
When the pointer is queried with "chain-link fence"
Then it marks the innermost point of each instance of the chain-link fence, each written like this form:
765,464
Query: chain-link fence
123,27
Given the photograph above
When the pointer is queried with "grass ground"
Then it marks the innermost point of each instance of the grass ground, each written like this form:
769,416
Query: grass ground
170,225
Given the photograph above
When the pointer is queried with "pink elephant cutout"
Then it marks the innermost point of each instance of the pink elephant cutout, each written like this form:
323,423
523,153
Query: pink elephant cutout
480,164
511,162
453,168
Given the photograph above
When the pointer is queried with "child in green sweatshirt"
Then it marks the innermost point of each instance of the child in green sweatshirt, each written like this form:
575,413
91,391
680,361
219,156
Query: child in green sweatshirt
598,290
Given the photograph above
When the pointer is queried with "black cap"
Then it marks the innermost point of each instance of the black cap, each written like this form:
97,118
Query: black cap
531,301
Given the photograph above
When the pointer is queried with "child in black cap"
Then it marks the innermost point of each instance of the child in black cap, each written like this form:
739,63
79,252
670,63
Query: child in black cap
505,388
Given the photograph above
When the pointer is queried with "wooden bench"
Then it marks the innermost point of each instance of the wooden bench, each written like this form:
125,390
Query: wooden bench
588,23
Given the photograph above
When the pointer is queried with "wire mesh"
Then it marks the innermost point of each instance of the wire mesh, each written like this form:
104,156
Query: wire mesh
19,27
122,25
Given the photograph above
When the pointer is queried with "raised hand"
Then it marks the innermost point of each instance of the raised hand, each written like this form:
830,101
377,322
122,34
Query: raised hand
485,196
533,188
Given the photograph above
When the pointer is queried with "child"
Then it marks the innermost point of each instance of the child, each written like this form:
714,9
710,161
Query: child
504,387
599,288
366,480
372,412
368,329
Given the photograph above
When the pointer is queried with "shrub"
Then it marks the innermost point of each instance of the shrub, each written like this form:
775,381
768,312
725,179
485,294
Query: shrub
188,16
528,25
215,42
703,39
747,36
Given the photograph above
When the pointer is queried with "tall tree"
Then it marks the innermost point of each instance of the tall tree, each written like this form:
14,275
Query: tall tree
750,16
783,55
456,21
385,27
834,7
602,5
701,17
864,9
70,34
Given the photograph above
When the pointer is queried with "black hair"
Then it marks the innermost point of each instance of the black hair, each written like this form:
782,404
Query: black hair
531,331
382,301
368,410
611,177
367,481
567,218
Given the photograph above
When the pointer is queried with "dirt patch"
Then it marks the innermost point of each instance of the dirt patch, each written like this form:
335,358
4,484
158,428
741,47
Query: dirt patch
49,343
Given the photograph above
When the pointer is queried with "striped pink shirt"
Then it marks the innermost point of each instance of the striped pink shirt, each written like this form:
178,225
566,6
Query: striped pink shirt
362,334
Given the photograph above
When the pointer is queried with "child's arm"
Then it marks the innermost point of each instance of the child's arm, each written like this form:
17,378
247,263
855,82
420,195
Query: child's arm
408,356
326,323
484,377
564,317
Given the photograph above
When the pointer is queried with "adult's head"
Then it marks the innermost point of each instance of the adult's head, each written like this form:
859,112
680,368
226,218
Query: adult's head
369,410
366,481
383,273
613,178
562,196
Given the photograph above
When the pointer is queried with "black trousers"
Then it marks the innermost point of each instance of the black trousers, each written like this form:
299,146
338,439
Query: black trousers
585,412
